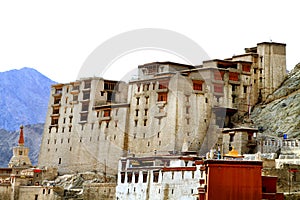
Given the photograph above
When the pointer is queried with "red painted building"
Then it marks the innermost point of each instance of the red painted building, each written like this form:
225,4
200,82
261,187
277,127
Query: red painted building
236,180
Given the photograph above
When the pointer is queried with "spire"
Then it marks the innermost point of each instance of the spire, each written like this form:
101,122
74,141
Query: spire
21,138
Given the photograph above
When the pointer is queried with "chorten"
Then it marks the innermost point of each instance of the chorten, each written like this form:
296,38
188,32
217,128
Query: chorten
20,156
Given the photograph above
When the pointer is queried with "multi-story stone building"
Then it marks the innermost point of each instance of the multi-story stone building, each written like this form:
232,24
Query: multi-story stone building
170,107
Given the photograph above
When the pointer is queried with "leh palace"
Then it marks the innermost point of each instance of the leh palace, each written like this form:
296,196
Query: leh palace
169,133
93,122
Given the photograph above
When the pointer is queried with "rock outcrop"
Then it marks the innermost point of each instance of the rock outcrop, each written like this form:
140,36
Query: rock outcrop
280,113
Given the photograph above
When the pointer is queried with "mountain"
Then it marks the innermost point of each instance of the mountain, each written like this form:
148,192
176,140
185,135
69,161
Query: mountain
24,96
280,113
9,139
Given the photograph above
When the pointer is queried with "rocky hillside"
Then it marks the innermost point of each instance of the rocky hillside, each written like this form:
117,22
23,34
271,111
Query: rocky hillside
24,96
32,135
280,114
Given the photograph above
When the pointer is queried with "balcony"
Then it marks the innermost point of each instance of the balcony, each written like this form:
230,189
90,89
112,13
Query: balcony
54,115
75,91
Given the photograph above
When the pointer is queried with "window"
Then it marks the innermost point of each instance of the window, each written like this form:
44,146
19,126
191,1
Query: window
129,177
137,112
187,110
146,87
162,96
106,113
85,106
135,123
233,88
187,121
110,96
155,176
147,100
138,101
246,68
20,153
71,117
70,148
158,134
136,177
54,121
218,88
110,85
87,84
116,112
146,112
145,122
138,87
122,177
197,85
218,75
86,95
55,110
145,174
231,137
206,100
57,100
83,116
59,161
245,89
233,98
70,128
116,124
107,124
75,97
233,76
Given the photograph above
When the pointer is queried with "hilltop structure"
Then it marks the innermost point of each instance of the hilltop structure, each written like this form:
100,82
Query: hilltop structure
20,156
170,109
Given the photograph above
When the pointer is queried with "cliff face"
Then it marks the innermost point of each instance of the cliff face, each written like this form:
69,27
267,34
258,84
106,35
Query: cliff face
280,113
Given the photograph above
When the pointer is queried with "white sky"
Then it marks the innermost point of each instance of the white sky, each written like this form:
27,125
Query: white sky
55,37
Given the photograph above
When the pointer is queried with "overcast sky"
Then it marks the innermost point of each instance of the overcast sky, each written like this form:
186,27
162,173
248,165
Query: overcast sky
56,37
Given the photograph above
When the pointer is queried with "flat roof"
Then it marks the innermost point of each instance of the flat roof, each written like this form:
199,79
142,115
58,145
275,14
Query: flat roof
165,63
240,129
234,162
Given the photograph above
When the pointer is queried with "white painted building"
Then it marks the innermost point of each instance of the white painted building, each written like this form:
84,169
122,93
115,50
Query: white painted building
159,177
